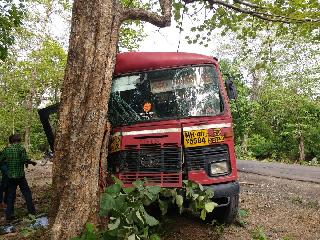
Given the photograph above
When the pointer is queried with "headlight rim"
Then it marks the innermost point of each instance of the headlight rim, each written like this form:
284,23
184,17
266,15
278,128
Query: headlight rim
228,172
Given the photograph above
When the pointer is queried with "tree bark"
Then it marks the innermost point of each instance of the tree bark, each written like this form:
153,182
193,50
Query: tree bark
29,107
27,137
255,85
302,156
244,143
83,115
83,132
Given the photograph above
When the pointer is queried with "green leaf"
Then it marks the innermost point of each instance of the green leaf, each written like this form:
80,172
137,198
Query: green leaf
132,237
138,184
113,189
154,189
210,206
203,214
195,196
107,203
155,237
120,202
163,205
138,214
209,193
117,180
179,200
90,227
115,225
150,195
151,221
130,218
242,213
129,190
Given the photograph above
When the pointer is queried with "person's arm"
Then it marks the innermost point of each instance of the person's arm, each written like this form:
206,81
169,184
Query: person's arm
25,158
24,155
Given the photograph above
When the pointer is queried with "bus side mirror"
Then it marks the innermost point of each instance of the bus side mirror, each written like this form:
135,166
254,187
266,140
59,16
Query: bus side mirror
231,89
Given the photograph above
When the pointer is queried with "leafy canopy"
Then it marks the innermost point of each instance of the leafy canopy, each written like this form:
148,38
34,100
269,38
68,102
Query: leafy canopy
11,15
246,18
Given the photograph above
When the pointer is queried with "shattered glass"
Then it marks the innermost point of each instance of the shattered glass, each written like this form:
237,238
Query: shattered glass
171,93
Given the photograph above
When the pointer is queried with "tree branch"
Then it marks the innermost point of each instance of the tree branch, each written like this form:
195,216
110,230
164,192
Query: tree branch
163,20
258,14
248,4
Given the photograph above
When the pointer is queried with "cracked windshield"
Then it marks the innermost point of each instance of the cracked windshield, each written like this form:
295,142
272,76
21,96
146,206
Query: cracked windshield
165,94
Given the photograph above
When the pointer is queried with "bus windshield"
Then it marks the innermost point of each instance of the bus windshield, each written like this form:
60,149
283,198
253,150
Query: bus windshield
165,94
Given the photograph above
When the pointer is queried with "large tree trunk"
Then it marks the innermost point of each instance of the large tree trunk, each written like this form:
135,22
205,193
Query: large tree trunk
82,132
83,115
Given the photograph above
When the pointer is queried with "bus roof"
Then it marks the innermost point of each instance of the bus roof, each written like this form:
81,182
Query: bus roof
130,62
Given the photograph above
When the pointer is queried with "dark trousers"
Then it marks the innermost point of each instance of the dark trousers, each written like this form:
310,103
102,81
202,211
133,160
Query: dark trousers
25,190
4,189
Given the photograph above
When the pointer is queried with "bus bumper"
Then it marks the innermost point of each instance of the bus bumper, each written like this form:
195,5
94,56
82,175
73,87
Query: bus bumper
223,192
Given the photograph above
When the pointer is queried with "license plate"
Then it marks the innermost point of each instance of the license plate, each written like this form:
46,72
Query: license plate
196,138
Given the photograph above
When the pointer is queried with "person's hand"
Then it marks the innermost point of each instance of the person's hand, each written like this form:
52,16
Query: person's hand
33,163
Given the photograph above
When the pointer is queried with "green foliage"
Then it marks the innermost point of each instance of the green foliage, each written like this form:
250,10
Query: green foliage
260,147
242,108
242,214
200,198
128,208
259,234
267,120
24,85
90,233
277,107
11,14
247,19
32,73
131,35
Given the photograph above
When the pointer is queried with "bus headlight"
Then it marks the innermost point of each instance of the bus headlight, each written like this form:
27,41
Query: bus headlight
219,168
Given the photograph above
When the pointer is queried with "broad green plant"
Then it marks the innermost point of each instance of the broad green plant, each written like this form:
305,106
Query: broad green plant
128,208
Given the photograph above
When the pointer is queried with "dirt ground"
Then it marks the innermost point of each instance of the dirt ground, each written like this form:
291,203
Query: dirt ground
279,208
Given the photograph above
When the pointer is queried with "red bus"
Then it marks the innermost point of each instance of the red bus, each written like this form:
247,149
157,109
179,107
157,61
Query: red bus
171,121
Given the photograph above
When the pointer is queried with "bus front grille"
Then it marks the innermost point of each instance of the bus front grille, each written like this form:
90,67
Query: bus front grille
197,158
157,164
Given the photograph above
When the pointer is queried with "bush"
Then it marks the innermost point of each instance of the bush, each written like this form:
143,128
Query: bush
128,217
260,146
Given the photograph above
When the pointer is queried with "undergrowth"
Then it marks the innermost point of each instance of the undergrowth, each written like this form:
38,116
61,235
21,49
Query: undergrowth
127,209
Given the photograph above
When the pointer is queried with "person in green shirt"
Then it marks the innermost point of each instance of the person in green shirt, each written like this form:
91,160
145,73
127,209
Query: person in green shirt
16,157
